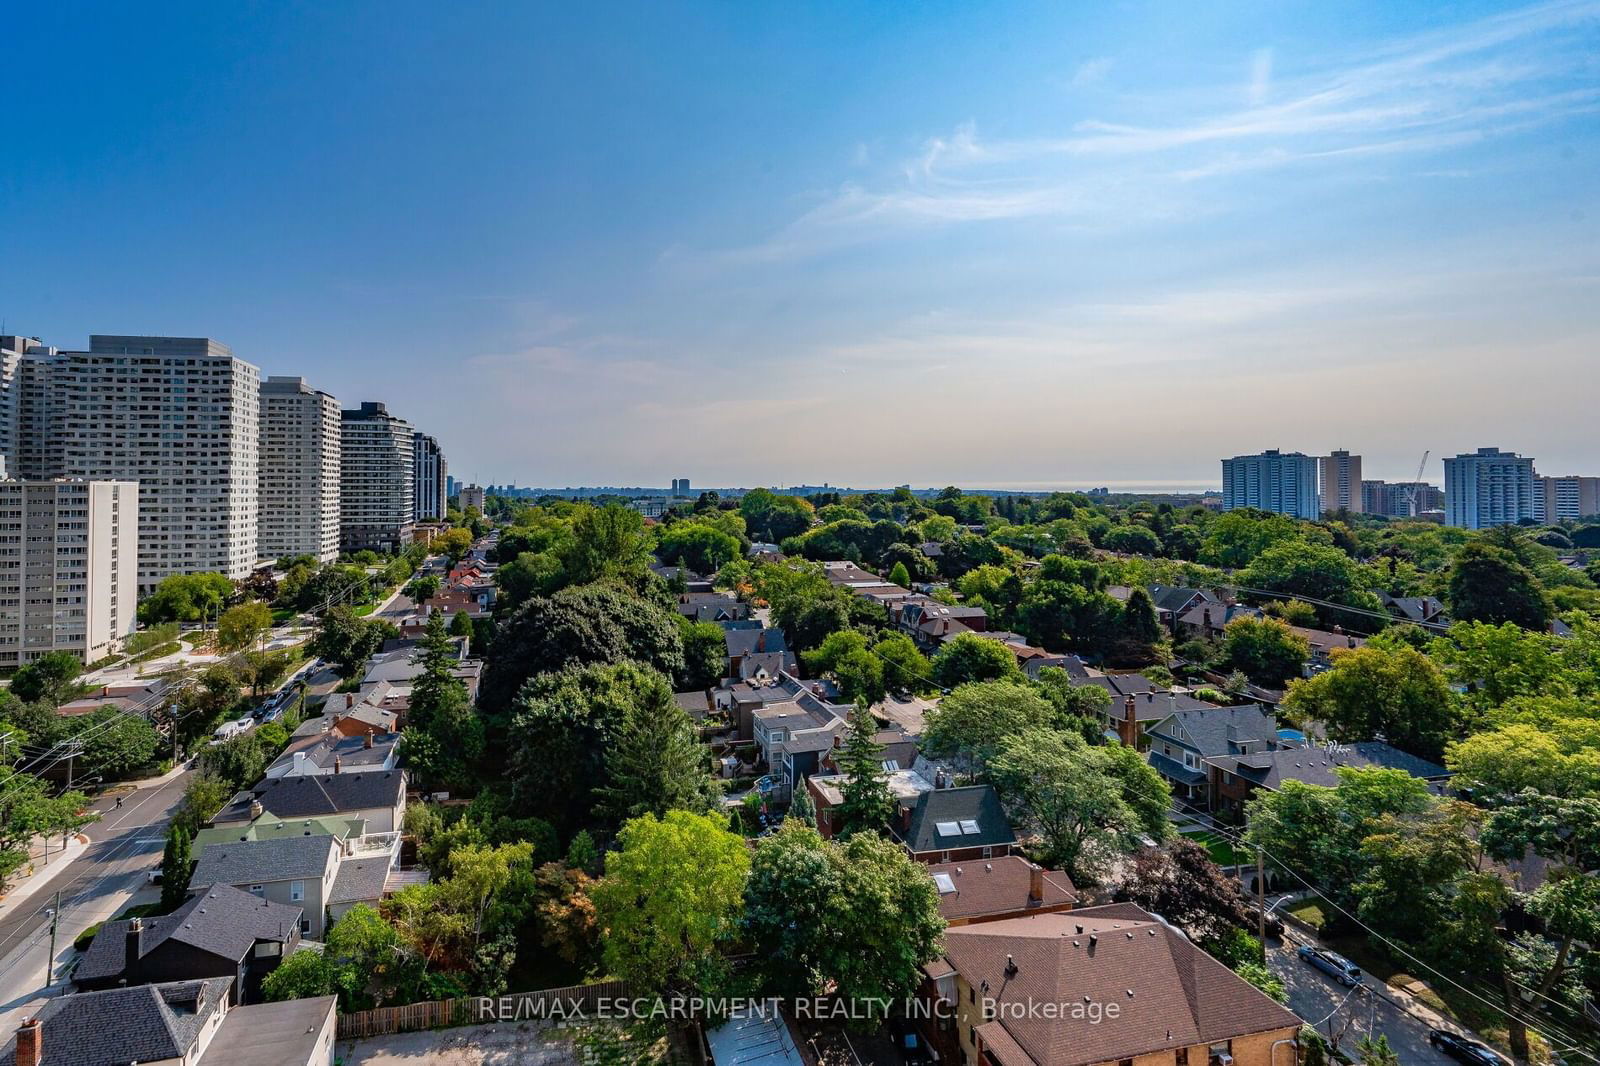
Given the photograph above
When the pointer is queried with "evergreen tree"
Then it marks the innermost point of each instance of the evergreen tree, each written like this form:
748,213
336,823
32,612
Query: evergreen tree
801,808
900,576
444,737
582,854
175,864
657,764
867,805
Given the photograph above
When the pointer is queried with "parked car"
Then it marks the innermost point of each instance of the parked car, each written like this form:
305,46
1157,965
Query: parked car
1331,963
1469,1052
153,877
1274,923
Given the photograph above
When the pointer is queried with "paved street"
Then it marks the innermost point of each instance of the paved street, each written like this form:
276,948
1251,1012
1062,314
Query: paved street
1314,996
124,844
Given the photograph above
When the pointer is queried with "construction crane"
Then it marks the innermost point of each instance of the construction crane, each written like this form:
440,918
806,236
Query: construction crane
1416,484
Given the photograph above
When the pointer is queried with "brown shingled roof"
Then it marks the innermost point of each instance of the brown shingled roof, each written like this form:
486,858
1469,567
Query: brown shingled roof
1167,992
996,886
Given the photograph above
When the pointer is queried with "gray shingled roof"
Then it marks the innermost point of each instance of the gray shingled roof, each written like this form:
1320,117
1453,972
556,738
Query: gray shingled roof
221,921
253,862
1317,766
977,803
314,796
359,880
1208,729
145,1023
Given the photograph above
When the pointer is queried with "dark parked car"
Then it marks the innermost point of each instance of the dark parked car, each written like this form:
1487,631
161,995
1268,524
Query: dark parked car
1469,1052
1274,923
1331,963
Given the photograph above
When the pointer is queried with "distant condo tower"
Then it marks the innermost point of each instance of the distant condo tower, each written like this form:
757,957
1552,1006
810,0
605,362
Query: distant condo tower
1489,488
1282,482
1340,476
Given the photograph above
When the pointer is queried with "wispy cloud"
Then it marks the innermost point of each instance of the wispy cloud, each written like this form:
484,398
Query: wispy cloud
1427,93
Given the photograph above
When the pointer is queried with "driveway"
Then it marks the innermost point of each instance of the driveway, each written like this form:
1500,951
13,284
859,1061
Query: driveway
1315,997
475,1045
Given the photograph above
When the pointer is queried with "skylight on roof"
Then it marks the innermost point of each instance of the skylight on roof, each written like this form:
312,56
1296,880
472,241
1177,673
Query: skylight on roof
969,827
945,883
948,829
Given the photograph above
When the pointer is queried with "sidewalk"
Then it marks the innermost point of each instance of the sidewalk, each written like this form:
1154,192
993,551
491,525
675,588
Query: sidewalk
45,869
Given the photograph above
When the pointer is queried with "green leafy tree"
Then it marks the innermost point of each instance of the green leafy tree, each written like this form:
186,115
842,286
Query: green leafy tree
969,657
1055,785
422,589
866,804
1488,584
1266,981
1132,540
773,518
47,679
1235,538
1399,694
175,866
672,896
705,653
1313,571
1265,649
444,737
608,543
562,729
186,598
113,744
698,546
905,668
899,575
968,726
461,625
577,627
808,901
346,640
303,975
240,627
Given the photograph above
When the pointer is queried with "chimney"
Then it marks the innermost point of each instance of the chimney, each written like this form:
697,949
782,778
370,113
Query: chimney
1128,728
30,1042
336,764
1205,617
366,740
134,947
256,810
349,699
1035,883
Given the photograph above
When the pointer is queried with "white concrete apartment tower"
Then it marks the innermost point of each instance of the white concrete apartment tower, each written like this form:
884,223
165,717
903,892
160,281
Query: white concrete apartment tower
1489,488
68,576
1339,478
181,416
301,468
430,474
377,493
1282,482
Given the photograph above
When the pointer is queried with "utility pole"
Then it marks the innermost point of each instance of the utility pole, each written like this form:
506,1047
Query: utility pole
50,962
1261,903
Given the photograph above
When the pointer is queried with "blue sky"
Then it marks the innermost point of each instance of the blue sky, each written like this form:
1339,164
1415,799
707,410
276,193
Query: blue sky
865,242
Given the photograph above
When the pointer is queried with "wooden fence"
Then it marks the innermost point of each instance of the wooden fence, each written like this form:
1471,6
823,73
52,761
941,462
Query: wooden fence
573,1001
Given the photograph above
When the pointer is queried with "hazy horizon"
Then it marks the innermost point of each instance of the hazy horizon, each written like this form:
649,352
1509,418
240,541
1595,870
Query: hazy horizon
940,244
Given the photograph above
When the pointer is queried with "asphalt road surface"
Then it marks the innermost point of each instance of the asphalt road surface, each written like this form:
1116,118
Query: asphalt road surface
123,845
1315,996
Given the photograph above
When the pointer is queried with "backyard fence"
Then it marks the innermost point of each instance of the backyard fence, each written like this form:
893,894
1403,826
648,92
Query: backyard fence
544,1004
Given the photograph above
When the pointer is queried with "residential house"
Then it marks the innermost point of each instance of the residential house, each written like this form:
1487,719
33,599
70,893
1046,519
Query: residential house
379,799
1171,602
743,642
827,793
179,1023
779,727
1180,744
1140,992
271,827
1235,778
1006,886
219,932
712,607
334,753
955,825
931,623
295,871
1209,621
1423,610
1130,718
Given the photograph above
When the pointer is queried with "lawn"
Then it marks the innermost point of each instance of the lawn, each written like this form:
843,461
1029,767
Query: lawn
1309,911
1222,851
366,609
